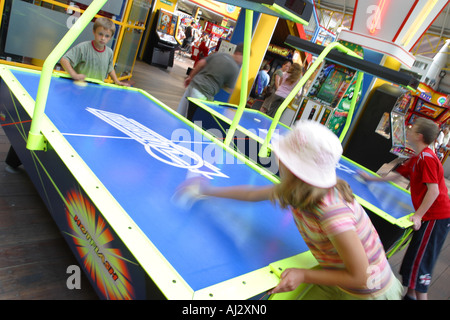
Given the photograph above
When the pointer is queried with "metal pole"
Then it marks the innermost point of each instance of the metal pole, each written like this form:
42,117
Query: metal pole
244,76
36,140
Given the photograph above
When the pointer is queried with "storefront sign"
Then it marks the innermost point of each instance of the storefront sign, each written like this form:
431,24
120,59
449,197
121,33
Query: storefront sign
278,50
221,8
169,3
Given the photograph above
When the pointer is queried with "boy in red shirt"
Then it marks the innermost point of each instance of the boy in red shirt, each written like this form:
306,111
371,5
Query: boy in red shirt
431,201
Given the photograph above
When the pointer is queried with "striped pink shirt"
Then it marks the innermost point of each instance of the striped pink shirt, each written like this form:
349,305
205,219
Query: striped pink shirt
285,88
334,217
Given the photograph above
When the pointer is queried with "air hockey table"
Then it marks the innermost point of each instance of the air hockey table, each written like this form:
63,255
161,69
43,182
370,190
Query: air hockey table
388,205
114,158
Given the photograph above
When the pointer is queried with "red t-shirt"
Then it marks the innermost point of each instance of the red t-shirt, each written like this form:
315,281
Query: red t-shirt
422,169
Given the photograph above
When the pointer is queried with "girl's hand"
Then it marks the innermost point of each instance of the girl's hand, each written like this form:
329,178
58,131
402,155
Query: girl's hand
364,175
189,192
199,184
290,280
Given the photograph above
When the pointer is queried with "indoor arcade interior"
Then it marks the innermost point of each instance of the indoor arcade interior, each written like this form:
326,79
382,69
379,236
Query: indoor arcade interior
90,211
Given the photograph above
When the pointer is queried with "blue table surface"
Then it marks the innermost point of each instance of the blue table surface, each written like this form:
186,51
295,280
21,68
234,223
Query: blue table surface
385,196
252,120
216,239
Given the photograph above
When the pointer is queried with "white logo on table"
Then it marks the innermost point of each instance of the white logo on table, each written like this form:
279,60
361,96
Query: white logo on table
158,146
340,166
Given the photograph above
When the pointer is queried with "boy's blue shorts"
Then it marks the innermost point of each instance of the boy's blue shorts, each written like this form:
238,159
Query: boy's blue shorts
422,254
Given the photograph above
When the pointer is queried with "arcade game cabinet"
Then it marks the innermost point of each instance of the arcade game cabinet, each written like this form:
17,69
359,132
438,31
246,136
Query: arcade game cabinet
397,128
423,106
328,98
215,33
162,43
379,136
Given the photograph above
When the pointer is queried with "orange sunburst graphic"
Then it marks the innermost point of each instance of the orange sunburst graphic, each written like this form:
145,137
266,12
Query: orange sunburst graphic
94,243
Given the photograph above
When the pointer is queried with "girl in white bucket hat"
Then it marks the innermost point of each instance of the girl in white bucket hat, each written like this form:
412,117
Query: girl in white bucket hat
333,224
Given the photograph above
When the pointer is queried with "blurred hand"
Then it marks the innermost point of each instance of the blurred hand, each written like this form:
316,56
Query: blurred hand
364,175
189,192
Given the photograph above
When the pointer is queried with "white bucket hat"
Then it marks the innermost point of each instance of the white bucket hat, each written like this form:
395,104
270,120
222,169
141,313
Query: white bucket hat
311,152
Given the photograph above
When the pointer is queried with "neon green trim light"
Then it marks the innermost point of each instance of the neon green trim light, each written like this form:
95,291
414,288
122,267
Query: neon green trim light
244,76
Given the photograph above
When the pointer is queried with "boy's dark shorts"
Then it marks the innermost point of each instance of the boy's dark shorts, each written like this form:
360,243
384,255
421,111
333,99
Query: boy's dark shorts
422,254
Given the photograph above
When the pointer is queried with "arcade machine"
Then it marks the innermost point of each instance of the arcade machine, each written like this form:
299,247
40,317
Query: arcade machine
161,46
423,105
215,33
396,127
431,105
328,98
378,137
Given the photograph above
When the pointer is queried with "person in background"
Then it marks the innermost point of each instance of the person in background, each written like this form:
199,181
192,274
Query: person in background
89,59
93,59
275,82
442,142
261,82
189,35
431,220
288,82
211,74
203,49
